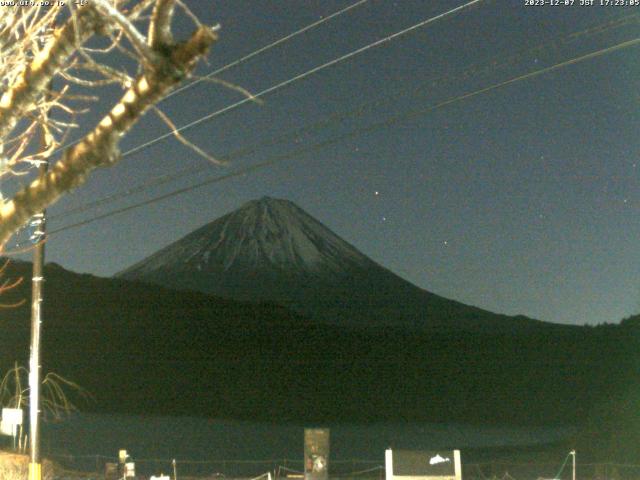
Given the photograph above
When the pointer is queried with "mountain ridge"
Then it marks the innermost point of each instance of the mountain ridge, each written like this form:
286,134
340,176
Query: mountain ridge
272,250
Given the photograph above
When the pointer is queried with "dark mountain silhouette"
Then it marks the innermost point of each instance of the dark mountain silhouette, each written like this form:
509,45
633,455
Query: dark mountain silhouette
272,250
141,348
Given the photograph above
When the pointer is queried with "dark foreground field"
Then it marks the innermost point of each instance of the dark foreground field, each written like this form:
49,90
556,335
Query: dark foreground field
147,350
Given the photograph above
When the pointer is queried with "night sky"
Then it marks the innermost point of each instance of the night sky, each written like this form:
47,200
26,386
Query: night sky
522,199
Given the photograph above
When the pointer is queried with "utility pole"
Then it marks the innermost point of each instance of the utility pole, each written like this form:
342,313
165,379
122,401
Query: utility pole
37,280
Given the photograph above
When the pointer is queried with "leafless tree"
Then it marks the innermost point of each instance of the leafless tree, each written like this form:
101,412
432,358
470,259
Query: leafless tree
75,46
56,393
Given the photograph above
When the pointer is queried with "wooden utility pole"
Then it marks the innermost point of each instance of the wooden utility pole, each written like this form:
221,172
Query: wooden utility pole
37,280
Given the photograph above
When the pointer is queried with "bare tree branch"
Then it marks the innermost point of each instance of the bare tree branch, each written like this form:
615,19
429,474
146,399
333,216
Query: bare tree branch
100,147
147,55
160,25
174,129
20,98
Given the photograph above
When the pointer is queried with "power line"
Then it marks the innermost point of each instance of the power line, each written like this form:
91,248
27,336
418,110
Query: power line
285,83
245,58
332,118
302,76
354,133
266,47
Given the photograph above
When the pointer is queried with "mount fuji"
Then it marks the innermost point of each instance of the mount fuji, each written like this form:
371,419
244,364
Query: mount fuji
270,250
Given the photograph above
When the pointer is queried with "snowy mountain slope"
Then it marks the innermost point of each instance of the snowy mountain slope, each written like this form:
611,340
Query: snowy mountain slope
272,250
263,234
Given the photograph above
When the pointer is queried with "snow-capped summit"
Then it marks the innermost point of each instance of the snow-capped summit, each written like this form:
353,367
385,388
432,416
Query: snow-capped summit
272,250
261,236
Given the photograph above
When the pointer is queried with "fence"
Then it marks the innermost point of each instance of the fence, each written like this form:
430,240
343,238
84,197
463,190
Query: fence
93,467
537,471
